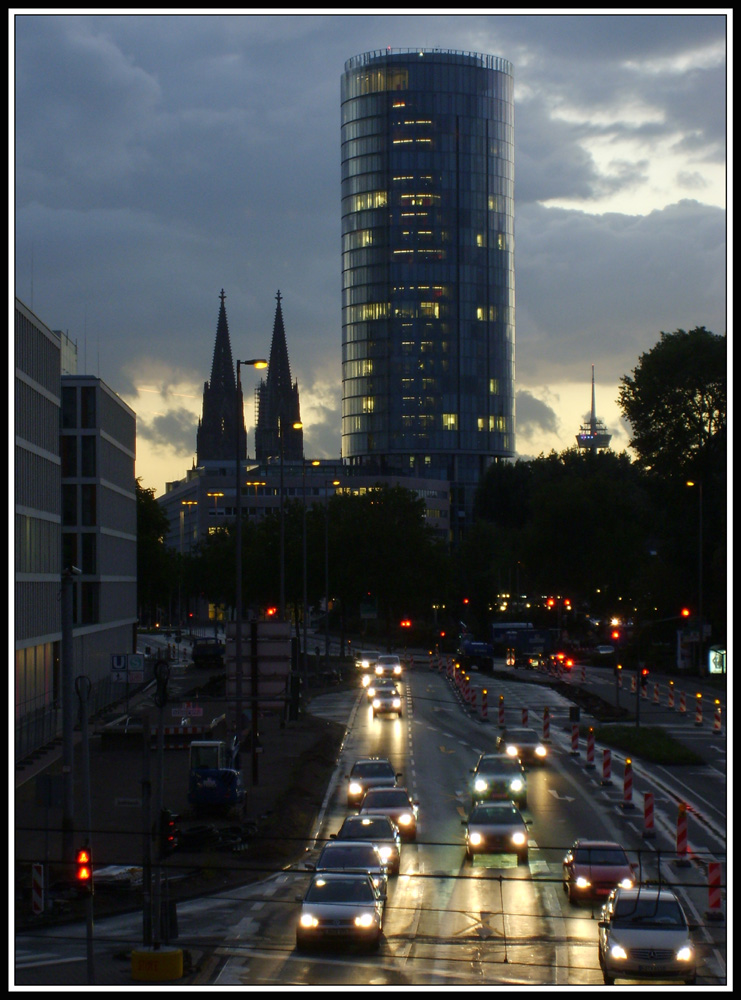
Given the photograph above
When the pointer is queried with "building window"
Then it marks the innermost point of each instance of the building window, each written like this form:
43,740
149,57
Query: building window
69,406
69,455
69,504
89,549
87,406
450,421
88,467
88,506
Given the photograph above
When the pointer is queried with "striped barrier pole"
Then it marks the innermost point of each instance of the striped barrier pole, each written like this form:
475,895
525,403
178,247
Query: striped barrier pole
546,725
501,711
656,693
714,911
524,716
682,859
590,749
632,683
627,802
649,829
484,704
606,767
682,703
698,709
473,700
467,690
717,728
644,690
574,739
37,888
670,701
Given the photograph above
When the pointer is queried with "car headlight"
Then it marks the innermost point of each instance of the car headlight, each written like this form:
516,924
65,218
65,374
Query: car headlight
582,883
405,819
376,702
518,838
309,920
385,853
627,883
397,670
379,670
541,751
371,692
480,785
686,953
364,920
355,788
377,882
617,951
397,702
475,839
512,750
366,680
516,785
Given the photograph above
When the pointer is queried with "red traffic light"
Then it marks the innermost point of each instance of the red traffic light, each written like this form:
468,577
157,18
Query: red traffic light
685,612
271,611
84,867
405,623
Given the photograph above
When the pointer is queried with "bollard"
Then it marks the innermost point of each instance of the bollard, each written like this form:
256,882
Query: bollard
590,749
467,690
648,815
524,716
627,802
473,700
632,683
656,694
682,859
670,702
546,725
484,704
501,710
606,767
574,739
714,911
583,674
717,728
698,709
682,703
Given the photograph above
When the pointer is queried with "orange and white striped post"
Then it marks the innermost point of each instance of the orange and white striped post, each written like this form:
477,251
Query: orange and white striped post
698,709
670,701
546,725
590,749
714,911
484,704
606,767
682,703
632,683
627,802
524,716
649,830
473,700
37,888
717,727
467,690
682,859
656,693
574,739
501,710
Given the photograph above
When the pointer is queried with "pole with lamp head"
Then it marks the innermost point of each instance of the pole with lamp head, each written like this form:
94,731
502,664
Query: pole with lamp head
700,624
297,425
334,482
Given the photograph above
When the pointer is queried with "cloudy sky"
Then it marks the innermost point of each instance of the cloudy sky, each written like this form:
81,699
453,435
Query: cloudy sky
161,158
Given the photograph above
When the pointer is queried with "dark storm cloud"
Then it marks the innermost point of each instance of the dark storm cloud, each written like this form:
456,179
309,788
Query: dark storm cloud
172,430
534,416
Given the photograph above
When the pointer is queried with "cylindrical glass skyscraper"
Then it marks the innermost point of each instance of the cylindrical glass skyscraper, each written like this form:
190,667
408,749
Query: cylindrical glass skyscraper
428,298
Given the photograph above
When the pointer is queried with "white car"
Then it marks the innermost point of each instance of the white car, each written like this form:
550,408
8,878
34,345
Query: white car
353,855
340,906
643,934
388,665
387,702
366,659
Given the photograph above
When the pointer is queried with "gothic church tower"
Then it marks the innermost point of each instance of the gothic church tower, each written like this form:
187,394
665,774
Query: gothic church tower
221,434
278,401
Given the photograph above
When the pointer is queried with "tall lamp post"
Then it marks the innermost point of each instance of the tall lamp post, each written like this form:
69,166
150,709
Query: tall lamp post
304,661
700,624
254,363
334,482
183,505
297,425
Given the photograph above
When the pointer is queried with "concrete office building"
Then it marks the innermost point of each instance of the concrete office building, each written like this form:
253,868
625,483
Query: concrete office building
428,324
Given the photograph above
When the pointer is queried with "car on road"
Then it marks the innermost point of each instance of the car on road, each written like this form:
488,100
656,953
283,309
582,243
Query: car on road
380,684
340,907
497,777
388,665
395,803
387,701
352,855
366,659
522,744
561,661
369,772
644,934
378,828
593,868
496,828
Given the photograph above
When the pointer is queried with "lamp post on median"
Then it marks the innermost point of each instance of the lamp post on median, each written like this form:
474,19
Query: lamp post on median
334,482
254,363
297,425
699,575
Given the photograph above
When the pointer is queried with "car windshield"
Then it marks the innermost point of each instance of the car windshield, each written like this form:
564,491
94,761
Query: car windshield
648,913
388,659
501,766
348,856
373,769
494,814
521,736
360,827
600,856
339,891
384,799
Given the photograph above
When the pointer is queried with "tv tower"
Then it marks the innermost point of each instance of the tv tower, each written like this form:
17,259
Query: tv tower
594,434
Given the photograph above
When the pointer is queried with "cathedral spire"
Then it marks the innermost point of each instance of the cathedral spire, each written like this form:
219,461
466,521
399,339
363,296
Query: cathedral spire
278,398
221,431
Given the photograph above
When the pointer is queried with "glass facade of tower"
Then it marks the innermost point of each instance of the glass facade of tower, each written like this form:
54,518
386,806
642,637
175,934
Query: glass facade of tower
428,264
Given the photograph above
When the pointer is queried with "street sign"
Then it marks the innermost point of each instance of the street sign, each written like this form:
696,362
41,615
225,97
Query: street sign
135,661
118,662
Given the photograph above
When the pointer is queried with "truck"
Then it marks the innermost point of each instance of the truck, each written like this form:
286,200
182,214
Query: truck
475,654
215,780
521,644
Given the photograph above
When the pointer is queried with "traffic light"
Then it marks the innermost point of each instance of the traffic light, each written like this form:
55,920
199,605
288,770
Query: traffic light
644,677
168,832
84,875
686,612
405,623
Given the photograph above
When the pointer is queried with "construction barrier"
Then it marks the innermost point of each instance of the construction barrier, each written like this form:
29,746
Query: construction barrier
656,694
627,802
501,710
590,749
473,699
714,911
546,725
574,739
682,859
682,703
524,716
717,727
670,702
606,767
632,683
583,674
37,888
649,830
484,704
467,690
698,710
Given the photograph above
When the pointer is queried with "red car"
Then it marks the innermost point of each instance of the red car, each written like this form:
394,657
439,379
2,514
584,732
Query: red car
593,868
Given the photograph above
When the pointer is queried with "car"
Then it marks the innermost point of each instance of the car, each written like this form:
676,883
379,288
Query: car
377,685
397,804
496,777
522,744
388,665
208,653
496,828
366,659
561,661
387,701
644,934
340,907
369,772
381,830
352,855
593,868
604,650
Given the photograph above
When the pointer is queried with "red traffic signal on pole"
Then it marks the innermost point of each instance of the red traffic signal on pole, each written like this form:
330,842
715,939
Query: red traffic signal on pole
84,875
686,612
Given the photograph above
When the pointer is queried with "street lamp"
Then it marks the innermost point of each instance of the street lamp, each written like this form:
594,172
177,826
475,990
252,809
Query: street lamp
314,462
254,363
690,482
183,505
297,425
334,482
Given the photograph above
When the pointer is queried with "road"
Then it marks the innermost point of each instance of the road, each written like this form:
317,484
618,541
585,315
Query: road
447,923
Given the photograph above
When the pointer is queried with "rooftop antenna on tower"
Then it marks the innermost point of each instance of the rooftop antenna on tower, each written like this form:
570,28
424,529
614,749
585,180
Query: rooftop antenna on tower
593,436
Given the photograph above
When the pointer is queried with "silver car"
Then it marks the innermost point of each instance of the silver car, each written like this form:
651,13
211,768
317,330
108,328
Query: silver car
369,772
388,665
353,855
643,934
339,907
381,830
496,828
498,777
387,701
